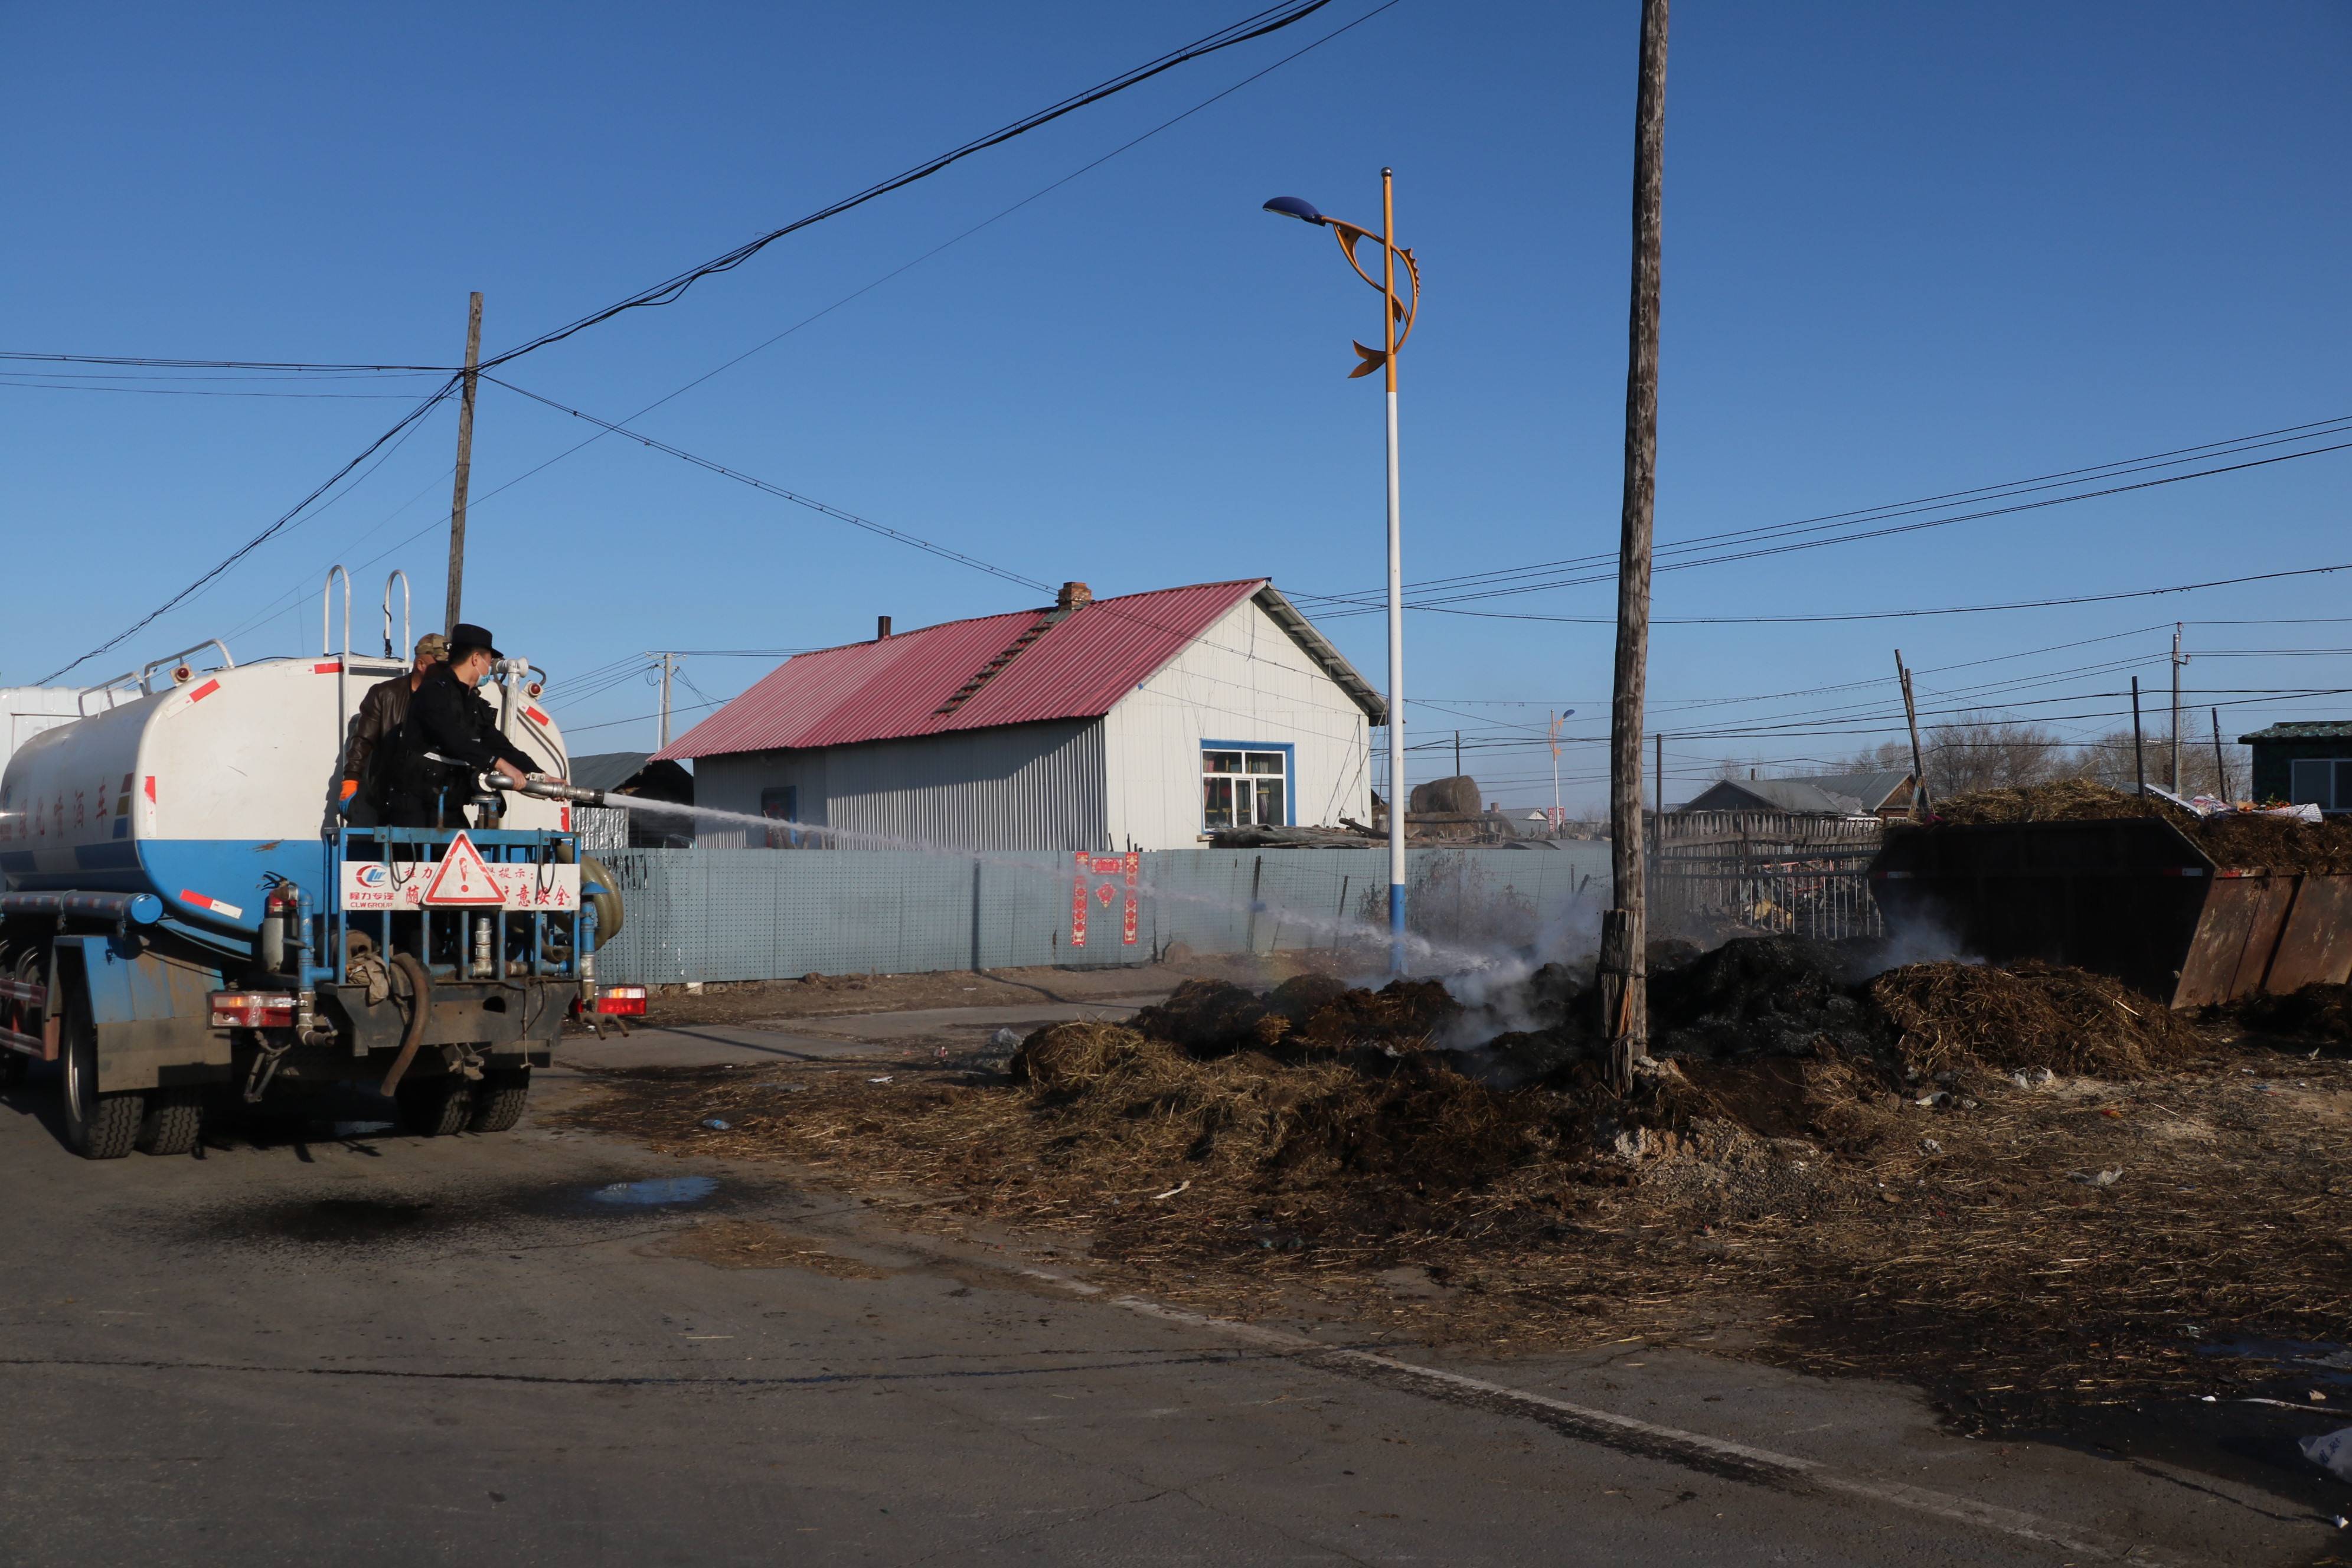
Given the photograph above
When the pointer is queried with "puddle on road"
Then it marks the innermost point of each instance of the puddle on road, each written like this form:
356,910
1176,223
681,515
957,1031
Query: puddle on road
656,1193
361,1129
2309,1361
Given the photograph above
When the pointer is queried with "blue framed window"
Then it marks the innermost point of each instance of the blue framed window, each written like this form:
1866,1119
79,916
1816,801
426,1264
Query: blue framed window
1246,783
782,803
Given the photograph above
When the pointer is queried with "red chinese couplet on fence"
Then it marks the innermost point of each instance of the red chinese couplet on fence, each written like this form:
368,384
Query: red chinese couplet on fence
1100,879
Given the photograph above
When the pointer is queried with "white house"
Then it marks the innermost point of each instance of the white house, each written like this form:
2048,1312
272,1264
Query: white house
1138,723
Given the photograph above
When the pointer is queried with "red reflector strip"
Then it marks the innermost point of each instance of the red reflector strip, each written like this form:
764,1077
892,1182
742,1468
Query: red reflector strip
207,690
536,716
225,910
252,1010
150,789
333,667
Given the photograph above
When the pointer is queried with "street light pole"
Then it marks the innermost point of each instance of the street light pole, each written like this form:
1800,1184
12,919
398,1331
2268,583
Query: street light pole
1396,584
1396,326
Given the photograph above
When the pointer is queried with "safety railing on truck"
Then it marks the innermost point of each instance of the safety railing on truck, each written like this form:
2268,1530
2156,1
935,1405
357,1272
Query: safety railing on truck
539,926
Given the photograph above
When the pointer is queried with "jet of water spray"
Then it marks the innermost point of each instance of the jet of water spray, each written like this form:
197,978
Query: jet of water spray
1428,953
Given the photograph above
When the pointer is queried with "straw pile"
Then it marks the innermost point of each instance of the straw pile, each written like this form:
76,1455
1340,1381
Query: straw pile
2060,800
2317,1013
1309,1014
1956,1015
2240,840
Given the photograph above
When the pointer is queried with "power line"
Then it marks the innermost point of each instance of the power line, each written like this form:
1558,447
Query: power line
150,362
250,545
1271,20
2337,425
898,536
1895,614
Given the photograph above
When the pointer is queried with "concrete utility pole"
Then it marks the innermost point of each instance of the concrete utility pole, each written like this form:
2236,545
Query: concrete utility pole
464,465
2139,752
1919,803
1624,928
2177,662
669,667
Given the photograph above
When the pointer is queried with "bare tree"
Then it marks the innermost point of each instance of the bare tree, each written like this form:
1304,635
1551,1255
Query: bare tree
1974,752
1978,750
2109,760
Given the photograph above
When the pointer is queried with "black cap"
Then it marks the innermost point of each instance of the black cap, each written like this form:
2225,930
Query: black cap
466,634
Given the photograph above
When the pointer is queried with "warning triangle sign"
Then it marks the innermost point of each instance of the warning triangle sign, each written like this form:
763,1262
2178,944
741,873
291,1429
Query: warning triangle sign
464,878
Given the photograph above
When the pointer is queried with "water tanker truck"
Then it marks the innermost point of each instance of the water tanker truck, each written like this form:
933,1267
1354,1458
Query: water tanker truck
188,921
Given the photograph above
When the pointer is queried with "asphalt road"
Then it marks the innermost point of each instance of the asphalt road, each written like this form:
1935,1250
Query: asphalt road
356,1347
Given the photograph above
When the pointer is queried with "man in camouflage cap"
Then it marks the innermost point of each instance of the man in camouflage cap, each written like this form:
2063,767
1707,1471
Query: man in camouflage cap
380,715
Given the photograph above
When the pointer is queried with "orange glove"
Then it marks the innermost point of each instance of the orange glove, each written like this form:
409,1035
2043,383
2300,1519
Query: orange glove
350,788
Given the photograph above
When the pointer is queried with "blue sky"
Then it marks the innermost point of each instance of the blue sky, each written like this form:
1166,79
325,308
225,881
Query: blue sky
1908,250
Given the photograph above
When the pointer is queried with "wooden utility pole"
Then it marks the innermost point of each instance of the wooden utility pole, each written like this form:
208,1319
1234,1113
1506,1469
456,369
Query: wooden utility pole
1625,928
2177,662
2220,766
464,465
1919,803
1659,783
1457,753
2139,754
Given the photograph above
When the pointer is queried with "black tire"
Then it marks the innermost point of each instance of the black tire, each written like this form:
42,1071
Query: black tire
98,1126
499,1099
434,1107
175,1120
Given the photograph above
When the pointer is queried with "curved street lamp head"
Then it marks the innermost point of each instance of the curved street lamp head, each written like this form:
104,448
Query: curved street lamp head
1297,207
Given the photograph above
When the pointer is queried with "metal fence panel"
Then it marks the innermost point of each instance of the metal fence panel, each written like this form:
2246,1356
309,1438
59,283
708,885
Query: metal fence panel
759,914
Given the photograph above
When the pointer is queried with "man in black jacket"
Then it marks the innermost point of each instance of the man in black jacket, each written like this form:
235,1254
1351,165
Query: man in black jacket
447,718
374,725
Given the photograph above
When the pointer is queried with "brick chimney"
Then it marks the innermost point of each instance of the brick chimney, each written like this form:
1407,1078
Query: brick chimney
1072,596
881,627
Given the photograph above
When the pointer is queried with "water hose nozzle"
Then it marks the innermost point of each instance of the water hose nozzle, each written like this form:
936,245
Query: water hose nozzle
546,788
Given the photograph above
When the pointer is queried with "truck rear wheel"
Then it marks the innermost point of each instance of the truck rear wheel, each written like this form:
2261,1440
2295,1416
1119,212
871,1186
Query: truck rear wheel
498,1101
434,1107
99,1126
175,1120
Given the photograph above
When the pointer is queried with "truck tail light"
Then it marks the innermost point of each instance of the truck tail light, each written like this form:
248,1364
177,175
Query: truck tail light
253,1010
629,1001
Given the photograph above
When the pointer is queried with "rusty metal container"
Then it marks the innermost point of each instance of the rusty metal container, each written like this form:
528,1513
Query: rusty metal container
2131,896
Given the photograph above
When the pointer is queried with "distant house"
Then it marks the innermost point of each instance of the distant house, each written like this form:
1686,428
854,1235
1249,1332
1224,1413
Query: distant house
2305,762
635,773
1144,721
1881,794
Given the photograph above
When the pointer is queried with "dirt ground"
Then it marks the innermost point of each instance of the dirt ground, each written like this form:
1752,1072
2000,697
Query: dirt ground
2037,1249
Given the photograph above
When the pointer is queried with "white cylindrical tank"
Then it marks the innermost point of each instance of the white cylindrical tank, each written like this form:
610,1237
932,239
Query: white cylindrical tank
207,792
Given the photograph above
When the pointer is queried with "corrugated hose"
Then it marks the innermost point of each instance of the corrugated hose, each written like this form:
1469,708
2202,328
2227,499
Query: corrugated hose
420,1013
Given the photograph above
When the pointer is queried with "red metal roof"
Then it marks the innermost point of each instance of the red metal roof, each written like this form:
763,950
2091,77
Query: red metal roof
1075,668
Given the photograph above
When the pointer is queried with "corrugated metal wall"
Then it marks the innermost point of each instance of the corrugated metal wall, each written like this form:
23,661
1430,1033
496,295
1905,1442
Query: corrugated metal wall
1024,787
1243,680
717,915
